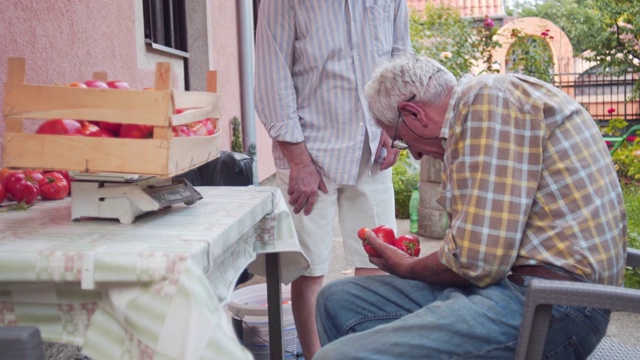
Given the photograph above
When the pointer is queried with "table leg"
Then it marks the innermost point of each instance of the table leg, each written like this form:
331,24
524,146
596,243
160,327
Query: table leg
274,304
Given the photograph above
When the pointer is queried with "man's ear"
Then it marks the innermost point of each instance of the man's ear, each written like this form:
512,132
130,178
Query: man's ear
413,110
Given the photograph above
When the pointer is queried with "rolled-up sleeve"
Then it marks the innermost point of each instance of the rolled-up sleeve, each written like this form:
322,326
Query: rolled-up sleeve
275,94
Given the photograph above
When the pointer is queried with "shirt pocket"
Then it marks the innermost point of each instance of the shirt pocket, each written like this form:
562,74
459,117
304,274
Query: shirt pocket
380,16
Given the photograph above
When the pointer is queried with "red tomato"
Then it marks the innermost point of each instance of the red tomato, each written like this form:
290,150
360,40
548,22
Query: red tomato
369,249
118,84
19,188
362,233
197,128
135,131
60,127
92,130
3,194
113,128
182,131
76,84
385,233
96,84
409,244
53,186
209,126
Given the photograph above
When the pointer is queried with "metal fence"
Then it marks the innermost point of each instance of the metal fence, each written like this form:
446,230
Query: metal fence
600,92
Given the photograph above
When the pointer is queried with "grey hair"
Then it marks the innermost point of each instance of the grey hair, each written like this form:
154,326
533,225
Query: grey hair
401,78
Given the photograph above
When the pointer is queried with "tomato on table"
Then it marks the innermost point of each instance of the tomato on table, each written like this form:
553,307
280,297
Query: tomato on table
53,186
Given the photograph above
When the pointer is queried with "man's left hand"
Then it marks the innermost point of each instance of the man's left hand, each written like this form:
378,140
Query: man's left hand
392,154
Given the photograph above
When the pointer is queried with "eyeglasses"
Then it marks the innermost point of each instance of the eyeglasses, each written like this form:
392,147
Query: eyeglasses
398,143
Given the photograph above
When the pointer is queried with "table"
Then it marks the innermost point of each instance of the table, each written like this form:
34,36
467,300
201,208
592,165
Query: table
155,288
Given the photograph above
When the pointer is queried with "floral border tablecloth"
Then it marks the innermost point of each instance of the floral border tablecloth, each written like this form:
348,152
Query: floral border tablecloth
153,289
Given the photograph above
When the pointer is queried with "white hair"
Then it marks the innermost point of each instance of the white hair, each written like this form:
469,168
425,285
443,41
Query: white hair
403,77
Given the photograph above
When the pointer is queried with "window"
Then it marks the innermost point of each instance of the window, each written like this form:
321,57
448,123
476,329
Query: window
165,26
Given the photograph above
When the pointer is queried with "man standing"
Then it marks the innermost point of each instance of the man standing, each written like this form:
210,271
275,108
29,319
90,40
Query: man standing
531,192
313,58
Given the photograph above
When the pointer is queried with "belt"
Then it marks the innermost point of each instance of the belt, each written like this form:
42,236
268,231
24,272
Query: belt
540,272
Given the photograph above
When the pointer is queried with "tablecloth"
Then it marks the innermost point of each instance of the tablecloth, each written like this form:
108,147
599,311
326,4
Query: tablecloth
153,289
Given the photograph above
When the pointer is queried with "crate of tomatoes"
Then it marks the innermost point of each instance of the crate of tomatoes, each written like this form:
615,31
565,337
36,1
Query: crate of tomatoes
103,126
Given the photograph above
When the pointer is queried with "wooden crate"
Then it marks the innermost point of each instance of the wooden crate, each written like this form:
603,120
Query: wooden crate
163,155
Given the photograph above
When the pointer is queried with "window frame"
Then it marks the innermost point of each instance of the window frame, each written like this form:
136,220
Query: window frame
165,26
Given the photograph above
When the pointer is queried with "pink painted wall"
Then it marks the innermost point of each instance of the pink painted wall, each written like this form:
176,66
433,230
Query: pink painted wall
66,41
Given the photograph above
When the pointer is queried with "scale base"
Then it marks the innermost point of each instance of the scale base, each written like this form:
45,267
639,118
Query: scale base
127,200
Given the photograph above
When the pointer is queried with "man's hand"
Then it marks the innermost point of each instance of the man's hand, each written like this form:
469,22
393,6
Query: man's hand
427,269
392,154
392,260
304,182
304,179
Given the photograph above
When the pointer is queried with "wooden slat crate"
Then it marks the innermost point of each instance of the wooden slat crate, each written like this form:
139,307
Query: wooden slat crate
163,155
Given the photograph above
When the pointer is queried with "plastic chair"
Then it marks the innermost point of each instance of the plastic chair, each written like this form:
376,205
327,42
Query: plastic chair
543,294
619,140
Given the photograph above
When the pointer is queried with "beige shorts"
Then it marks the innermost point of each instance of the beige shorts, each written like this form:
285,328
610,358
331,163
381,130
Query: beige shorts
369,203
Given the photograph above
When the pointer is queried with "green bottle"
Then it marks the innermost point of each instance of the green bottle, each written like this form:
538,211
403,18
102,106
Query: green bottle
414,203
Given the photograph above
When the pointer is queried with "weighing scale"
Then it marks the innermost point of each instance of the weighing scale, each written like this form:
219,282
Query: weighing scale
126,196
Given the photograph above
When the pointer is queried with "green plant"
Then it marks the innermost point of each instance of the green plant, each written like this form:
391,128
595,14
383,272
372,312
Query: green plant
627,158
440,33
531,55
236,135
405,176
631,193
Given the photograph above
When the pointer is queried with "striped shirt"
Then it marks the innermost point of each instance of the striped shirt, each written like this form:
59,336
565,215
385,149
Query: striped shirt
528,180
313,59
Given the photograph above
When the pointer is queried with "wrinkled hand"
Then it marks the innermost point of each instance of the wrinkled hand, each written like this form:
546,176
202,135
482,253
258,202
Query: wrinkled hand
304,183
392,154
392,260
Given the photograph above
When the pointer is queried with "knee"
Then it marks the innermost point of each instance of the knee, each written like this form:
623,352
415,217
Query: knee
330,295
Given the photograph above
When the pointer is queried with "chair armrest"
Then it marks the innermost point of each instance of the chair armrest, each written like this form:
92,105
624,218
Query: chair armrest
543,294
633,258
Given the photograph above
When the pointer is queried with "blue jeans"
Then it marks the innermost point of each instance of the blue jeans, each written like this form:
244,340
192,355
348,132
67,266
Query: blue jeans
385,317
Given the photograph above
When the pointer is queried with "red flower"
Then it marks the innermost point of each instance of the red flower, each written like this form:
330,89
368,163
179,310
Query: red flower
611,110
488,23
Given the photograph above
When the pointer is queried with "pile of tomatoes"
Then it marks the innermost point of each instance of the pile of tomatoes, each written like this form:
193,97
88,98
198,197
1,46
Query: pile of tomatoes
25,186
99,128
409,244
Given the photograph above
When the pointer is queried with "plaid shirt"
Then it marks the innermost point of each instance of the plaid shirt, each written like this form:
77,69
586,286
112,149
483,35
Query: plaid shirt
528,180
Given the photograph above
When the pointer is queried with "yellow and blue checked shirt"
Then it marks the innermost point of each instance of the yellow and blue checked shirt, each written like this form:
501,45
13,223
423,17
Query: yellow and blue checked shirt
528,180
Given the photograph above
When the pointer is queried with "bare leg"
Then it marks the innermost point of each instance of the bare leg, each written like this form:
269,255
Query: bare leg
304,293
368,272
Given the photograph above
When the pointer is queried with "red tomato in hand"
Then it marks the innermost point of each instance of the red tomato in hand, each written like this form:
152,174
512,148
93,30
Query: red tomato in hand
362,233
409,244
385,233
60,127
53,186
3,194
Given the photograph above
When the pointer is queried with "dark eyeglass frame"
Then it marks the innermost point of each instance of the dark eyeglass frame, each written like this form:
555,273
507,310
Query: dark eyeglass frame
400,144
397,143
